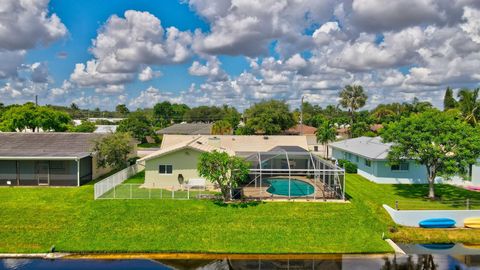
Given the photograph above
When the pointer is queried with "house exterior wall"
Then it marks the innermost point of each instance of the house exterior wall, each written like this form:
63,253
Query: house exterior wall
380,171
98,171
183,161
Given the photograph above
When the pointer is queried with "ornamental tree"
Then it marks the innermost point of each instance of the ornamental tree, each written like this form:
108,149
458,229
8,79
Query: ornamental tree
113,150
224,170
440,141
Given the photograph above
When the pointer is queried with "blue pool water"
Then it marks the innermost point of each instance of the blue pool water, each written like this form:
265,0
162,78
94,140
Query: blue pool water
298,188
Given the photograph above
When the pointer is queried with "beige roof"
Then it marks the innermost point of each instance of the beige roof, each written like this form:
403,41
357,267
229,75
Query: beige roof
243,143
194,142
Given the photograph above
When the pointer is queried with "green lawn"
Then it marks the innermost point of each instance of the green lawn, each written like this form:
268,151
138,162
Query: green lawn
138,178
34,219
132,188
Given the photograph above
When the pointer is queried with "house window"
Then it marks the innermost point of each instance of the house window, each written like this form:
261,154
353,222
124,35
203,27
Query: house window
165,169
368,163
403,166
357,159
315,148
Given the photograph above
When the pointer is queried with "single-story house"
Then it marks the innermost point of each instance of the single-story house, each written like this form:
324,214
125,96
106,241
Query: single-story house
48,159
179,154
187,129
370,155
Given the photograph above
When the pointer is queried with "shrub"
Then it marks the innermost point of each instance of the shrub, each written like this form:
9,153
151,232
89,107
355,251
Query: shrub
348,166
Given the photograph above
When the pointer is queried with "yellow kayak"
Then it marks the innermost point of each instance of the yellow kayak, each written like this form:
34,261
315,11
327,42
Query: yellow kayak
473,223
472,245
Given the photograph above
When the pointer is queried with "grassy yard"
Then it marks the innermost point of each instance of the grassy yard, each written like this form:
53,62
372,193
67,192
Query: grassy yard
132,189
34,219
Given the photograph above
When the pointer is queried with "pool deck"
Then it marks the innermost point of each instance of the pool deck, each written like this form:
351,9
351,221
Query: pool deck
260,192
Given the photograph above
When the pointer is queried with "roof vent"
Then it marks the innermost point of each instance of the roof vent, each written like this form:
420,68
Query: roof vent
265,137
199,142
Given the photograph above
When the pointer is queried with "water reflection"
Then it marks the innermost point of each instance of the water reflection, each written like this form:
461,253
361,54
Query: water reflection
379,262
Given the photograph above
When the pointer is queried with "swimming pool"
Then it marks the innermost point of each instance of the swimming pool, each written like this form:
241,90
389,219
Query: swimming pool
279,186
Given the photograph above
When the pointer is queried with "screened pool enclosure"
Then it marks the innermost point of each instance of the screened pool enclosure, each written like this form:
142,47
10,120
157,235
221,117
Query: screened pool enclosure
292,173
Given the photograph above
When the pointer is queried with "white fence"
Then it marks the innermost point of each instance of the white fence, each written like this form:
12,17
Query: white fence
138,191
114,180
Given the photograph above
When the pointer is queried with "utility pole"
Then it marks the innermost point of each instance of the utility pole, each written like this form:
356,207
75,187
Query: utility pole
301,117
36,100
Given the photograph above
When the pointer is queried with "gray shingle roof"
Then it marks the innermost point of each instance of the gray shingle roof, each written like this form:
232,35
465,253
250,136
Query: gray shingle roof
25,145
372,148
188,129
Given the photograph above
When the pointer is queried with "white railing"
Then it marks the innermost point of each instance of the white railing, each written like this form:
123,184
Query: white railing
114,180
139,191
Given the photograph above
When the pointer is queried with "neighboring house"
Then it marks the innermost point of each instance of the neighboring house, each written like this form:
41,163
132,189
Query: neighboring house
105,128
370,155
309,133
179,154
188,129
47,159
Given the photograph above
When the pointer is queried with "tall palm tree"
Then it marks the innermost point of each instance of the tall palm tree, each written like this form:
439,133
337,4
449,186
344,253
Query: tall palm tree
469,104
325,134
352,97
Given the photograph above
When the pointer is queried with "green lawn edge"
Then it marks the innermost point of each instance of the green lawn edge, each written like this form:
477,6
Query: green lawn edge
34,219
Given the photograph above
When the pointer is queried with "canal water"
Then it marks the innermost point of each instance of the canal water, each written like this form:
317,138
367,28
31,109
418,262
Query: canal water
338,262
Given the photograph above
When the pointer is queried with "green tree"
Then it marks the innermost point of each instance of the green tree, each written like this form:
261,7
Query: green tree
269,117
442,143
325,134
204,114
359,129
32,117
122,109
244,131
113,150
138,125
85,126
232,116
163,113
449,101
469,105
222,127
352,97
225,171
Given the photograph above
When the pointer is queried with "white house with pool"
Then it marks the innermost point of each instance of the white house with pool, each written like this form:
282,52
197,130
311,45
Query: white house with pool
281,166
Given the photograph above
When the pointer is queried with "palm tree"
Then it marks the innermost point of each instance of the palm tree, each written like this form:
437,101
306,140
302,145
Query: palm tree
325,134
352,97
222,127
469,104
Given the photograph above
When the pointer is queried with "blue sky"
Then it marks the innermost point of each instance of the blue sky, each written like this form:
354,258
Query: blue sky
235,52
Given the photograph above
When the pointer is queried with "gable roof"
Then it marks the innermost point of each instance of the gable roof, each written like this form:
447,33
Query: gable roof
47,144
195,143
243,143
232,144
188,129
371,148
299,129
